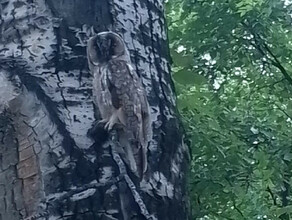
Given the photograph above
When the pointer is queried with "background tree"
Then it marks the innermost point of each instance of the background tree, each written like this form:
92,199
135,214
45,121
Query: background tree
232,69
49,168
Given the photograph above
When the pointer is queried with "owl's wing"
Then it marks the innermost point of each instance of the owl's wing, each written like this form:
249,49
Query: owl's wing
129,95
127,92
119,83
145,109
145,133
143,113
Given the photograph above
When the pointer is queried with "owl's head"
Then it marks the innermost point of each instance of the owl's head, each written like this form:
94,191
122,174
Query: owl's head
105,46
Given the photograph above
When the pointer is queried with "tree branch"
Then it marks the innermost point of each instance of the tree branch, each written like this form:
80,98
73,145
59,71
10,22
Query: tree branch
278,64
284,112
275,61
272,195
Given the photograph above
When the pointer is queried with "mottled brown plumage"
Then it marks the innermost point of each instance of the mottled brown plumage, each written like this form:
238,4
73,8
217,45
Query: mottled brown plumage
120,97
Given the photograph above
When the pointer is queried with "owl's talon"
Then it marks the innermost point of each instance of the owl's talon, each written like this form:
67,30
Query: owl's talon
106,126
102,121
109,125
111,122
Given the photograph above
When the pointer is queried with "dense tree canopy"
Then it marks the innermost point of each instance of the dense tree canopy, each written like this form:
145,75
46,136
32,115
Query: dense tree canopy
233,75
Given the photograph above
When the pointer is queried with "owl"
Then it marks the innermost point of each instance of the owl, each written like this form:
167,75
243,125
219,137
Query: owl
119,95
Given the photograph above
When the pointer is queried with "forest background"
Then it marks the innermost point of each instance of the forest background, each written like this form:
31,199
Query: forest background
231,63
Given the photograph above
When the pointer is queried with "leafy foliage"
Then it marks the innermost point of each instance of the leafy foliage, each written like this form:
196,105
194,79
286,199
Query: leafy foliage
233,74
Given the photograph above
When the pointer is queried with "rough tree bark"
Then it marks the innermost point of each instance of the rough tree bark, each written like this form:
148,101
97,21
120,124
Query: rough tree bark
49,168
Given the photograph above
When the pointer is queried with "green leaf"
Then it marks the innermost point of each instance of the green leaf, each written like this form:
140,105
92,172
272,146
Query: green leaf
188,77
284,210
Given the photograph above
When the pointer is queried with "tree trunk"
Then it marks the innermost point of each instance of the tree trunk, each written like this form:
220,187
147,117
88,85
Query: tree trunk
49,167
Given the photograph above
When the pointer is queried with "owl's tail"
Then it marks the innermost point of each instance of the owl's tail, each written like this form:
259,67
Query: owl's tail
138,154
133,154
136,138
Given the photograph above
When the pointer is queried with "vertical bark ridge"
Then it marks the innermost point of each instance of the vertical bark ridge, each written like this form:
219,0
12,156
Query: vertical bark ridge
142,25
